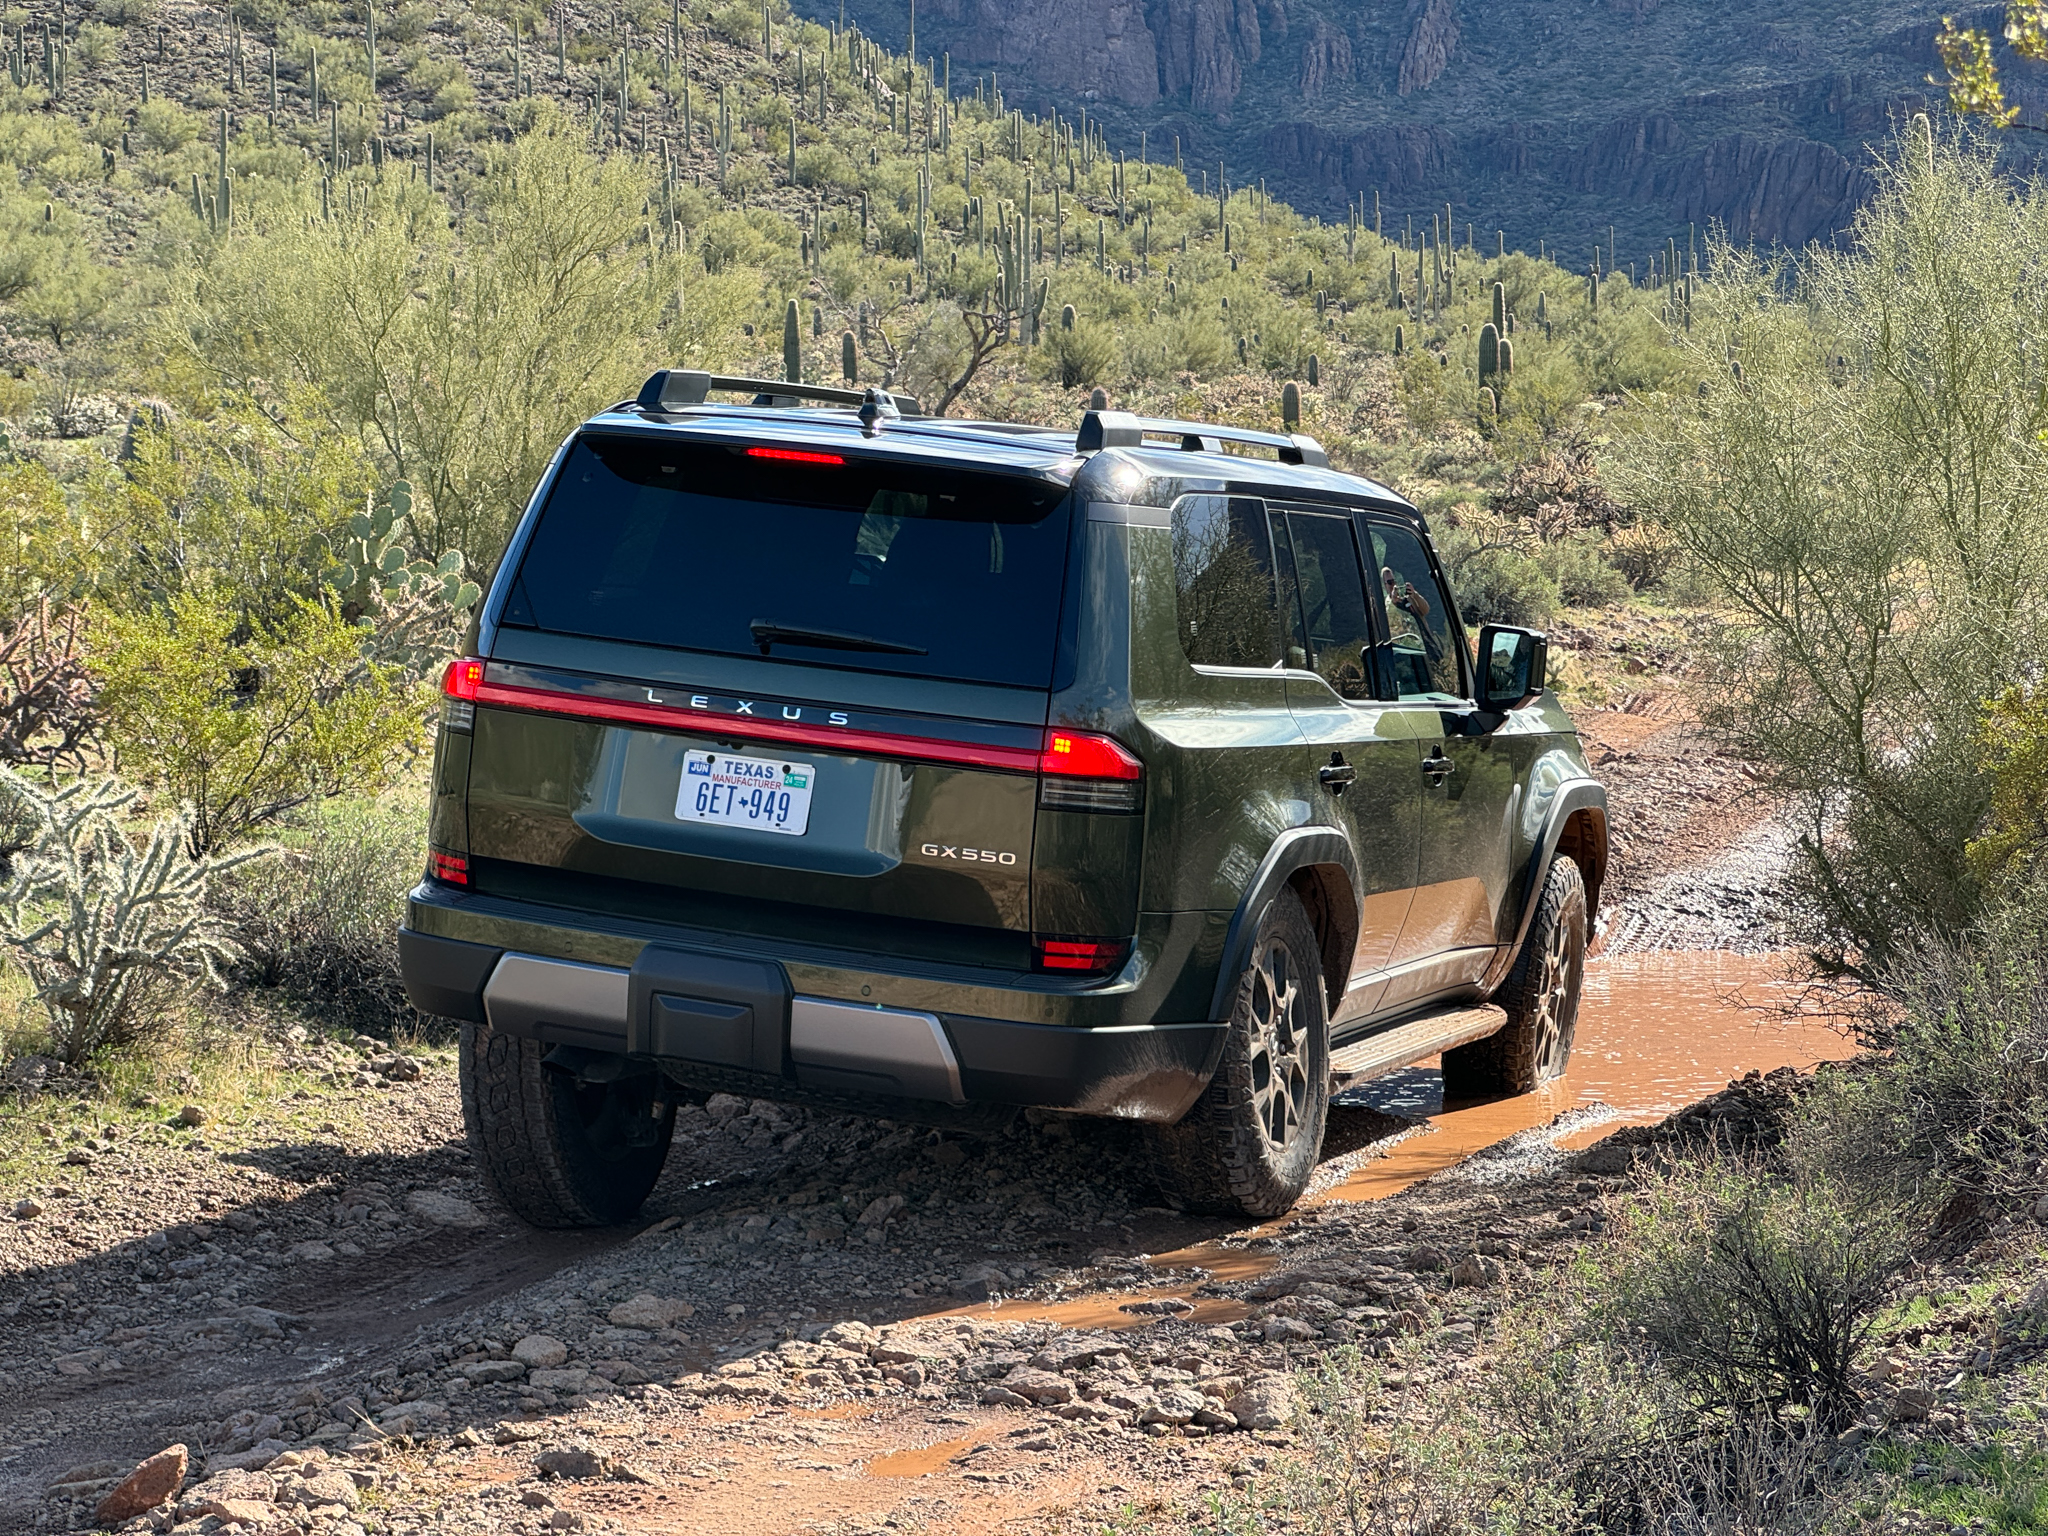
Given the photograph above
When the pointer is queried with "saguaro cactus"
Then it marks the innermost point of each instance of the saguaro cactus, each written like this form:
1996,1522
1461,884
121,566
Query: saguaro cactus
849,357
1500,309
1315,371
792,345
1489,352
1290,405
1400,340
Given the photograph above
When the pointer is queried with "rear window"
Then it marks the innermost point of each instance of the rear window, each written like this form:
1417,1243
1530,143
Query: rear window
935,573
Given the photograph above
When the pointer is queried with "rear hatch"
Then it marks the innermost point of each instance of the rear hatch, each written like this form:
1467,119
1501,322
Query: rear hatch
776,691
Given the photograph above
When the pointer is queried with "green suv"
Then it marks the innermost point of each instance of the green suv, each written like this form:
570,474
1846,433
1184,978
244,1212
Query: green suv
811,749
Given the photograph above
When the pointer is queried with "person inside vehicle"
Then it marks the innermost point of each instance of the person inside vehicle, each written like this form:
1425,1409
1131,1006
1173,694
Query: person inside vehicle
1407,609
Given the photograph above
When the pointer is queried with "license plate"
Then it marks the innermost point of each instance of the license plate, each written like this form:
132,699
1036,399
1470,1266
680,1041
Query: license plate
761,794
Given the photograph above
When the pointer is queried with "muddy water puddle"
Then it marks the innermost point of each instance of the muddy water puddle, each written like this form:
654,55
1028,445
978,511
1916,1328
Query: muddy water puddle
1657,1031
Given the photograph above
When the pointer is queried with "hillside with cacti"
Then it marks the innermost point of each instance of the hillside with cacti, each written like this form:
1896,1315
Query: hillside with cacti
283,205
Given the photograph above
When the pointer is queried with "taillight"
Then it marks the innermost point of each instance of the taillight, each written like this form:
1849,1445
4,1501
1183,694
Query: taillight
1093,957
448,868
1080,771
793,455
463,678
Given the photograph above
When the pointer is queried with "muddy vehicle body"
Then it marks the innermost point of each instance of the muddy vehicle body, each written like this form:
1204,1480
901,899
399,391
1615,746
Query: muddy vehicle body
935,770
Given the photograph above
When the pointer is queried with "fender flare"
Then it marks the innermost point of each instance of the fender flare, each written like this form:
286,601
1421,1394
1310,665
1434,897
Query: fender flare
1572,797
1293,851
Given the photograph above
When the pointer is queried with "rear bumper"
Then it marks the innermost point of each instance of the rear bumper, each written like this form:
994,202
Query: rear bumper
752,1024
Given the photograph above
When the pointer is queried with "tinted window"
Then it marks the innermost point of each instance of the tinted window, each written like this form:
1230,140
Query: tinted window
702,547
1422,655
1223,582
1332,633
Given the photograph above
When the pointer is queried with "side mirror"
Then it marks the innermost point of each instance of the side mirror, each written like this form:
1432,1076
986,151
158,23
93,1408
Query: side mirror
1512,664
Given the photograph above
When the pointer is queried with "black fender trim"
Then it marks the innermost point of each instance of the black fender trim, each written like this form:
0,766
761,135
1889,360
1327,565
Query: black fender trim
1293,851
1572,797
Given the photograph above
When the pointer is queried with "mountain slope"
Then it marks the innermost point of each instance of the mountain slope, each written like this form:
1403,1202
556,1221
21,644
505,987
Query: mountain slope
1550,121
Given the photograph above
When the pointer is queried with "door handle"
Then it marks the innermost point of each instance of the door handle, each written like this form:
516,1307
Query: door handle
1436,768
1336,774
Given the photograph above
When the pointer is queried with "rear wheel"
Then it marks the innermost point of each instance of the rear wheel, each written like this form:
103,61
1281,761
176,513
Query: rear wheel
1253,1138
560,1149
1541,997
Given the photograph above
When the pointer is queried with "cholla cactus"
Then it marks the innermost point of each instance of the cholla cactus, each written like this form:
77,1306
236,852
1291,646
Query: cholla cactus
109,934
411,608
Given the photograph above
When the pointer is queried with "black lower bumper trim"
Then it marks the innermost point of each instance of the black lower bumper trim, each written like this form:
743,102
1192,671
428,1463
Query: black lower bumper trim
1140,1072
445,977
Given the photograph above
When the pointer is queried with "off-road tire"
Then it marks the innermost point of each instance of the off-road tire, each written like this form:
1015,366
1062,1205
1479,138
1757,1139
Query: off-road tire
1541,996
1223,1155
557,1153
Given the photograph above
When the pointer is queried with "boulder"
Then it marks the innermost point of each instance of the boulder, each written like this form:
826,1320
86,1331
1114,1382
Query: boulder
150,1484
650,1311
1267,1403
538,1352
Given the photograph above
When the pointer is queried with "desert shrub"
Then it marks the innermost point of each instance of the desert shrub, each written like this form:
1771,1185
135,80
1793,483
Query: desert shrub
1756,1289
1493,576
1859,477
1958,1105
246,718
47,712
112,936
1584,576
320,920
1078,355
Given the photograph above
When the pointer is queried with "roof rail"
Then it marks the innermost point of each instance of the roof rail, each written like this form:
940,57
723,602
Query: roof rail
1120,429
672,389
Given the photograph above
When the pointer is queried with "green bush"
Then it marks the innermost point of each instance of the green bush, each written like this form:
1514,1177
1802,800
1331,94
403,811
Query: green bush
1493,577
1757,1290
1080,355
320,921
247,717
1585,577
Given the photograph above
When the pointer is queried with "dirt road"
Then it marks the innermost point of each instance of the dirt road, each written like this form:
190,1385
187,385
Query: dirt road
820,1323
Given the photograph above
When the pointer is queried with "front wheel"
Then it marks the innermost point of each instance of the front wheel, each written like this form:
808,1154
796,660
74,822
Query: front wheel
559,1149
1541,997
1253,1138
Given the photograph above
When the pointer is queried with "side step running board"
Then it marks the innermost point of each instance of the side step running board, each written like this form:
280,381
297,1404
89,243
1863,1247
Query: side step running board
1413,1039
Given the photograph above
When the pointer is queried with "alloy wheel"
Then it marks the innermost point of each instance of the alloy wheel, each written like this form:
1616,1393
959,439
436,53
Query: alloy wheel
1279,1046
1564,957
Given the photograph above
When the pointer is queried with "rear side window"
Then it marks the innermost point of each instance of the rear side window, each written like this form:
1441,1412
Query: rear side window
865,564
1223,582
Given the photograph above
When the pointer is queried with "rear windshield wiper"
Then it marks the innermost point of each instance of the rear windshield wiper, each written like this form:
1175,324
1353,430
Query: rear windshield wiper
767,632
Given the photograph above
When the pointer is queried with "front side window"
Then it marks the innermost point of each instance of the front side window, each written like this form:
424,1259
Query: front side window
1223,582
1422,649
1332,633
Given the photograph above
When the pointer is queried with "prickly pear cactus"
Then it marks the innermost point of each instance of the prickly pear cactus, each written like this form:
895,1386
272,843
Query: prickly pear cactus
410,609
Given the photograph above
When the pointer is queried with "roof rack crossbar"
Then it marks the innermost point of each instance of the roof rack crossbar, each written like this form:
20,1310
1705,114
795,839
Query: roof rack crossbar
1120,429
673,389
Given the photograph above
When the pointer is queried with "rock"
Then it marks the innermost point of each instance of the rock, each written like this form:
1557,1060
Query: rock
569,1464
149,1485
308,1252
1477,1270
420,1410
445,1210
1002,1397
1158,1306
1606,1157
27,1210
229,1511
78,1157
483,1372
1176,1405
538,1352
649,1311
513,1431
321,1490
192,1114
1040,1387
947,1154
1267,1403
1431,41
1913,1404
2041,1210
879,1210
1426,1259
1288,1330
574,1379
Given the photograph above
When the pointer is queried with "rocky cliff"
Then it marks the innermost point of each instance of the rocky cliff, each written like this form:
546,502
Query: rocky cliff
1548,122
